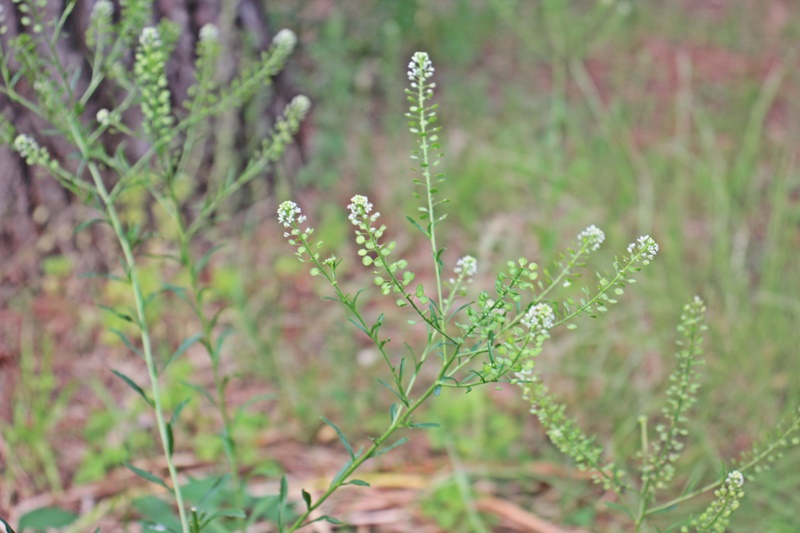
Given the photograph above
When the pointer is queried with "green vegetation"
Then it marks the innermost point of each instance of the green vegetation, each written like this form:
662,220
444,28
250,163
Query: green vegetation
642,118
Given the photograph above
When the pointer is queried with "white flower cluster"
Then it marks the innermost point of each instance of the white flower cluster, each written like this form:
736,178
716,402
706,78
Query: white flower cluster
25,145
150,37
539,317
420,68
646,246
300,104
105,117
286,38
102,10
592,237
209,32
33,154
735,479
287,214
467,265
360,207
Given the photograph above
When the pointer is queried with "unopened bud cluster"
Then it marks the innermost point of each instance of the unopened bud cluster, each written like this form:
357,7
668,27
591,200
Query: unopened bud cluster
717,517
151,77
33,154
99,22
285,129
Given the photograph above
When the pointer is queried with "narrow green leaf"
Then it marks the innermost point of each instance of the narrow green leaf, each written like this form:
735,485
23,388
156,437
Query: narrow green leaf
215,318
283,496
207,502
330,519
225,513
400,442
203,261
170,257
126,341
177,412
378,323
358,482
307,499
45,517
85,224
180,292
227,443
170,440
621,508
151,296
224,334
416,225
181,349
110,277
439,257
133,386
201,390
146,475
359,326
399,396
119,314
424,425
256,398
340,473
284,491
341,437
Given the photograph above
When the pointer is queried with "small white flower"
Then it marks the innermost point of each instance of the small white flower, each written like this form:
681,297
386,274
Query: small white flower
287,212
150,37
102,10
209,32
646,246
300,104
539,317
286,38
735,478
103,117
359,207
593,237
25,145
420,67
467,265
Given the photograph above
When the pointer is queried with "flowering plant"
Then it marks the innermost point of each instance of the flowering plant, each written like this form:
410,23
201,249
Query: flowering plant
497,336
102,177
473,338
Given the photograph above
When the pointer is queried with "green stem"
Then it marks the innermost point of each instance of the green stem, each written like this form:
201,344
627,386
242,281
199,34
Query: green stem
133,276
400,421
774,445
647,493
207,341
425,166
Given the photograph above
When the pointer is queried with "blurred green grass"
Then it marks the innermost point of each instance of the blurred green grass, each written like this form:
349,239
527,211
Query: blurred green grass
673,119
